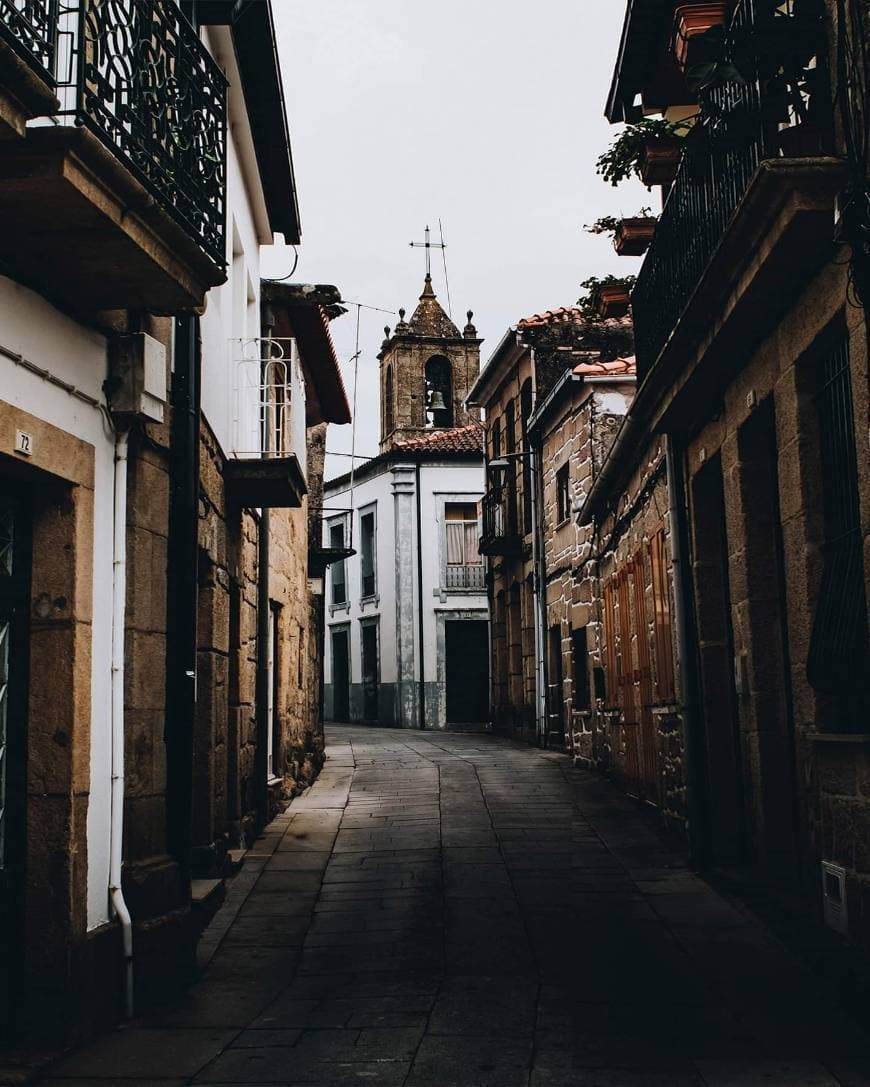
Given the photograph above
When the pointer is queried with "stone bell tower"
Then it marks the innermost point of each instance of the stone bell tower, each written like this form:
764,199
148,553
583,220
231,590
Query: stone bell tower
427,367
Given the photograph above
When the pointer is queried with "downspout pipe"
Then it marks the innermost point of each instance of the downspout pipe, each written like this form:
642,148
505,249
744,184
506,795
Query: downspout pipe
116,818
683,625
421,689
539,584
262,681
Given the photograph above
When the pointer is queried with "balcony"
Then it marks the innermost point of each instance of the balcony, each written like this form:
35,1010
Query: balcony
500,532
467,576
115,197
738,210
267,463
27,44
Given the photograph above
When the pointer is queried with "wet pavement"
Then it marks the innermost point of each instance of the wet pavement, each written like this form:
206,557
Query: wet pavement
460,911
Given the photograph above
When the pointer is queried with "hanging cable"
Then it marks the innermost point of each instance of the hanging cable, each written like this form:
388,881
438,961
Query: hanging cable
446,280
291,273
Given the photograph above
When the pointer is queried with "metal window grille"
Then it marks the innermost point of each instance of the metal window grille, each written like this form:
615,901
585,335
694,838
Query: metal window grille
269,388
837,661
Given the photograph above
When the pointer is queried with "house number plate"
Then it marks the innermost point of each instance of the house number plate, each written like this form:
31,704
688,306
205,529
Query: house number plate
23,443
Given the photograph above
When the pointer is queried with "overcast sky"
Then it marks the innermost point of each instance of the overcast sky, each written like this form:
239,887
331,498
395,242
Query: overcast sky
487,115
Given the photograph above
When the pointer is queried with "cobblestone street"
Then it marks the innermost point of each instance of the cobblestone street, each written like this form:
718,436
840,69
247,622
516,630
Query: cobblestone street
460,911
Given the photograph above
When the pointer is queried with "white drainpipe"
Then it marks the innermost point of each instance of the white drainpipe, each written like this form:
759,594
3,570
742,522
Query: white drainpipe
116,832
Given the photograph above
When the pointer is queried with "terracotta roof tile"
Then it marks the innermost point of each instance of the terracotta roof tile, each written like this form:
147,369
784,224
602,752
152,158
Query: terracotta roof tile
614,368
464,439
565,315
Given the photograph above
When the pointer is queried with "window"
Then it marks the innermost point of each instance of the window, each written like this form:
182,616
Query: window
580,663
525,414
339,583
563,496
464,564
496,439
367,553
439,392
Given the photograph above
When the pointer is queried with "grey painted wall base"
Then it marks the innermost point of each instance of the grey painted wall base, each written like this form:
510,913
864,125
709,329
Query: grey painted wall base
386,703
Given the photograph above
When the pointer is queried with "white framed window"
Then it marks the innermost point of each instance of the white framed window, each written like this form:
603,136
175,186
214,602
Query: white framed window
368,552
463,561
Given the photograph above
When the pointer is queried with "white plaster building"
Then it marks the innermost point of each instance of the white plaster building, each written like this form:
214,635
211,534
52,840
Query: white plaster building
407,616
132,211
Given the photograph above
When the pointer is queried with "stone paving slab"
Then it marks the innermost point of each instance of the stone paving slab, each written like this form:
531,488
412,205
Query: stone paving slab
448,910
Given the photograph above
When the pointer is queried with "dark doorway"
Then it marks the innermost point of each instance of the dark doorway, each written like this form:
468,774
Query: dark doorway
370,670
724,793
467,671
15,560
766,672
340,676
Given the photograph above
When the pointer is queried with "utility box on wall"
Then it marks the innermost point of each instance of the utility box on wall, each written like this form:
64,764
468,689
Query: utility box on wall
137,377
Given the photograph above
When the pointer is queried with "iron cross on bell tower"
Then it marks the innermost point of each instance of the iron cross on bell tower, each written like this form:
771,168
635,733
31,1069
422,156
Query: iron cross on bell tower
428,245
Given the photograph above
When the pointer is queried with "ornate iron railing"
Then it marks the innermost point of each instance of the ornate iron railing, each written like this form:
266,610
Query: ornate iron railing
499,512
711,182
30,27
136,74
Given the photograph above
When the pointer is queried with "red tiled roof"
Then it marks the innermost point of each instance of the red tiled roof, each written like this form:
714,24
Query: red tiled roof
573,315
463,439
606,369
565,315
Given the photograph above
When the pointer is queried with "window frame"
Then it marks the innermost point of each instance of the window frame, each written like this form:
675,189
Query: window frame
331,526
460,500
364,512
563,493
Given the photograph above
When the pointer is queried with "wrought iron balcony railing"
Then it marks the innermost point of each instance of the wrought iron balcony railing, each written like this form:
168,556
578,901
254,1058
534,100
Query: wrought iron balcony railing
703,199
136,74
30,26
500,535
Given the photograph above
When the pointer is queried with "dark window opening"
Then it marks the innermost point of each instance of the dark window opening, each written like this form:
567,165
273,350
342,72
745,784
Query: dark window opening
367,553
525,414
339,584
563,497
389,407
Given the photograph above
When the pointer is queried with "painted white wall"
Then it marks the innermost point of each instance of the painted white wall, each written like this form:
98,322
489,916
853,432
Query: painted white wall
232,315
35,329
375,491
440,482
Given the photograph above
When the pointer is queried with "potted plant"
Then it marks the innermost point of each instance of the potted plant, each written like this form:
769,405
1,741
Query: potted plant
777,50
607,297
691,23
631,235
650,150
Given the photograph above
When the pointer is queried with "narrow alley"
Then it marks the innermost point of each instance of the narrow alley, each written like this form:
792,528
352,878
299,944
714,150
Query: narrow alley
448,910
